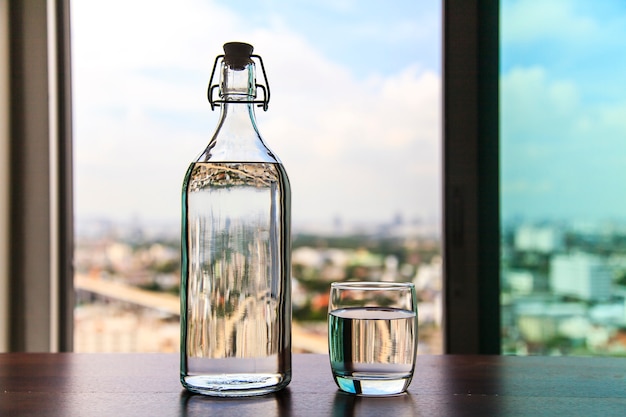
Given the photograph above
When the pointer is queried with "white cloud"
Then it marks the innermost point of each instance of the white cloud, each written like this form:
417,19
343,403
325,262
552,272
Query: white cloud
534,105
361,149
561,154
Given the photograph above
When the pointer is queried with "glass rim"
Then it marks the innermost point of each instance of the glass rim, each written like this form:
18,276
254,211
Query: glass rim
371,285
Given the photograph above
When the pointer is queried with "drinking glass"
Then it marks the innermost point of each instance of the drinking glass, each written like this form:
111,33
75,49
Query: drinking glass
372,336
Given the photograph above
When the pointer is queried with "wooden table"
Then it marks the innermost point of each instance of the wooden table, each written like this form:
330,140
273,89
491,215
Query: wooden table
70,384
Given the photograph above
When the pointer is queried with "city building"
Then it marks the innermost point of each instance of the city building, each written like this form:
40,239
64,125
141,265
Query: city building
541,239
585,276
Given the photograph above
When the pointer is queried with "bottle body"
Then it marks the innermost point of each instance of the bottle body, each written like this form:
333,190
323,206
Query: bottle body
236,330
236,252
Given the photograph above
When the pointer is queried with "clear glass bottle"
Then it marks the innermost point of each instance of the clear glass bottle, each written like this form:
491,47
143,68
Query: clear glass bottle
236,248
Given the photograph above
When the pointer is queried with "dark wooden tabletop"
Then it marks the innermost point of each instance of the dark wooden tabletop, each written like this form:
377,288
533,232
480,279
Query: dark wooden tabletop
70,384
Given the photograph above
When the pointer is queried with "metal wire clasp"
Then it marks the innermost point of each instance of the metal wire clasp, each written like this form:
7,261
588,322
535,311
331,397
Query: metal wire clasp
265,88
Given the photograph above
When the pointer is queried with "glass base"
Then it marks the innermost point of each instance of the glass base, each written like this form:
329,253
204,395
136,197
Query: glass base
234,385
372,386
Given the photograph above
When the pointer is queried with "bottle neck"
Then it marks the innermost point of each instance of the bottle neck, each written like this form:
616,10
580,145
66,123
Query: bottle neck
238,82
238,121
237,137
237,89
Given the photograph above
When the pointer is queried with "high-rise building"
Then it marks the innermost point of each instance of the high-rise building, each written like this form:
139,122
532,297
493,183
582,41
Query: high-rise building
580,275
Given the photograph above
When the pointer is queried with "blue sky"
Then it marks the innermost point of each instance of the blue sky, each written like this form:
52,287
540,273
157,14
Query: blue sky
367,36
355,110
563,110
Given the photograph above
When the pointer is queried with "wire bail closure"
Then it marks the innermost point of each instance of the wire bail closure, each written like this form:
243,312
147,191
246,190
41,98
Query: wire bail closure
265,88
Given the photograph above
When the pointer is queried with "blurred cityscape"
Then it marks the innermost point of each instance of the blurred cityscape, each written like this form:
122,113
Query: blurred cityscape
563,285
127,280
563,288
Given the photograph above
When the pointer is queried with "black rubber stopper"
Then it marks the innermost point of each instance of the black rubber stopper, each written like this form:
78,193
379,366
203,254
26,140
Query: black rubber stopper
237,54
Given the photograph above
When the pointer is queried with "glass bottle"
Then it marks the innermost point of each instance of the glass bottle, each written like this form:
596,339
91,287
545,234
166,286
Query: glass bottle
236,248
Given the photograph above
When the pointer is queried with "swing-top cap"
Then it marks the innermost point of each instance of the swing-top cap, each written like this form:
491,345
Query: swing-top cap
237,54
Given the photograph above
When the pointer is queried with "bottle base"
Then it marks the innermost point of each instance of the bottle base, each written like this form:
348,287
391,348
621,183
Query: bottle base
234,385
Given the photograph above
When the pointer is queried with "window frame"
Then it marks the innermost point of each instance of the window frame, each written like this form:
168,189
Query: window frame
4,174
471,226
40,232
40,291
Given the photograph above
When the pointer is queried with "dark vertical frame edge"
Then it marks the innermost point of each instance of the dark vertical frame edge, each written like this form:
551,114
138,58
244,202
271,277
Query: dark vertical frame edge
471,176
